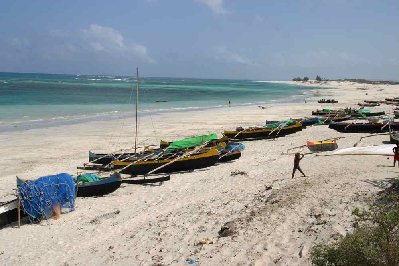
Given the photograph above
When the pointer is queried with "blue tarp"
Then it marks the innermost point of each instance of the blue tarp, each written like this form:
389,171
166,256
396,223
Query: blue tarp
233,146
38,197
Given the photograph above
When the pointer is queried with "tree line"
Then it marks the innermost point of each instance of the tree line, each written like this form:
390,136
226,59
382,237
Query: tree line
318,78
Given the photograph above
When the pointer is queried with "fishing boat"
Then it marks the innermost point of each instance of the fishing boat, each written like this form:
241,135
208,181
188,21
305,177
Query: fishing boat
8,211
366,113
324,145
330,112
327,101
310,121
371,101
98,187
306,121
163,162
363,127
369,104
266,132
227,150
336,118
396,99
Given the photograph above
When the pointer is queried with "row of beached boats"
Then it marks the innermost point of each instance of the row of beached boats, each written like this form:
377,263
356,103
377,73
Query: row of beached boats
377,121
105,172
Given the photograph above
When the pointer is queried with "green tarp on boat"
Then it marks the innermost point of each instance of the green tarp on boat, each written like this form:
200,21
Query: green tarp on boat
191,142
86,178
281,124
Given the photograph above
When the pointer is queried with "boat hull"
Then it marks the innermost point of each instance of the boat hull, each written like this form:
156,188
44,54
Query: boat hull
362,127
100,187
368,114
320,146
310,121
8,212
263,133
202,160
230,156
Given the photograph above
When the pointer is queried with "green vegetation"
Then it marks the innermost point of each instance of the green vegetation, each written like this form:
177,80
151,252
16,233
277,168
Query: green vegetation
318,78
299,79
375,240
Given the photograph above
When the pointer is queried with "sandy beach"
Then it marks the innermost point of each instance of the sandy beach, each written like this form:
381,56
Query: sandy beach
276,219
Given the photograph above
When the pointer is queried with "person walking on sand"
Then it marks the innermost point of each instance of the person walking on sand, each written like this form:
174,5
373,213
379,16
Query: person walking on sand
297,159
395,154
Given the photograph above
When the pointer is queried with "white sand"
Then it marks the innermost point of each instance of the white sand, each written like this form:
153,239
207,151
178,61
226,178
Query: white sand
161,225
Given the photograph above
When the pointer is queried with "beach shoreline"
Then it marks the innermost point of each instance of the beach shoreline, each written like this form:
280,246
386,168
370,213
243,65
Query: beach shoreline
277,219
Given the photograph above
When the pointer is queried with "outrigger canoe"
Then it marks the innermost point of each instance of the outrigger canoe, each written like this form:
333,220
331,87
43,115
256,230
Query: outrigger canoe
363,127
227,150
168,163
267,132
366,113
99,187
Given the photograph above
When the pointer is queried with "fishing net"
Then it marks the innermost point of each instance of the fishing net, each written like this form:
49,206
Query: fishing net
39,197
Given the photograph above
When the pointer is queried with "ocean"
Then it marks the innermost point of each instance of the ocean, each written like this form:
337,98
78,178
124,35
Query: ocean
40,97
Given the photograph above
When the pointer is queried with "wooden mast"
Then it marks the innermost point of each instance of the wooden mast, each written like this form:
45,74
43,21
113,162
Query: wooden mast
137,103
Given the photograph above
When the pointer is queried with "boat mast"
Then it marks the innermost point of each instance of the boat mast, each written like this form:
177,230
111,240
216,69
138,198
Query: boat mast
137,104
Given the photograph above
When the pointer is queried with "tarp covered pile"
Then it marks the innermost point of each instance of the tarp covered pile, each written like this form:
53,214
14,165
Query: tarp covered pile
39,197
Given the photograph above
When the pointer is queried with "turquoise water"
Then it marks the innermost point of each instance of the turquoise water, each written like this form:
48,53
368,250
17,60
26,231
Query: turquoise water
30,97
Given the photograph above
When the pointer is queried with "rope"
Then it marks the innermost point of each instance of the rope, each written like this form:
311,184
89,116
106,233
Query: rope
372,135
174,160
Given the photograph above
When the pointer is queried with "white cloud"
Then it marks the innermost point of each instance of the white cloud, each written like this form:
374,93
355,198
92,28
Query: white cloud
232,57
107,35
109,40
217,6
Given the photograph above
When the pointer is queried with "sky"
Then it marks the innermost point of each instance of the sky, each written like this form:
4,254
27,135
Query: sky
235,39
